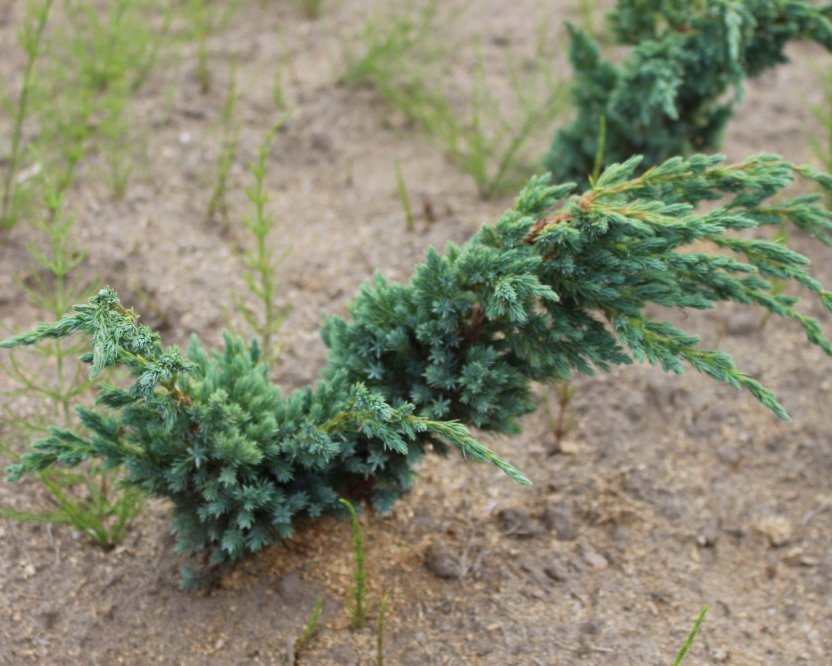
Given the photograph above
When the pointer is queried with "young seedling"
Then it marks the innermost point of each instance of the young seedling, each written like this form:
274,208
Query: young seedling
118,140
691,636
205,18
308,632
261,274
31,39
102,59
278,88
821,145
199,16
560,424
312,9
391,42
117,46
404,198
359,614
382,611
218,206
403,58
283,68
592,20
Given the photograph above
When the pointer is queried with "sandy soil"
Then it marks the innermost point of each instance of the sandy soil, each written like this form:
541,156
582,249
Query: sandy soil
671,493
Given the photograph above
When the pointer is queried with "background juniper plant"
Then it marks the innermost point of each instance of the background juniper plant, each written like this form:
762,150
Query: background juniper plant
668,95
563,282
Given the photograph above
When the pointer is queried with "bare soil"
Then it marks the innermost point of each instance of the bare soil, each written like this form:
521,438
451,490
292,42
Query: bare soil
670,493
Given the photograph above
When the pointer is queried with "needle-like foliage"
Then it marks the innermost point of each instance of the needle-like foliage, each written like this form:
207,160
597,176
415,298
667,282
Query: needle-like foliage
561,283
668,95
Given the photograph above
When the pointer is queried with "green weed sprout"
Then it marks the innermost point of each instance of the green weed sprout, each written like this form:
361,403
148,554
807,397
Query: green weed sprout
359,614
567,281
115,47
668,95
589,13
261,265
205,18
218,206
31,39
402,58
312,9
309,630
822,145
199,15
404,198
382,612
691,636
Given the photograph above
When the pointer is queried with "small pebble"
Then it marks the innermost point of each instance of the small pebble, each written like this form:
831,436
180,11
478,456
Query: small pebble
516,522
291,588
777,529
556,571
743,322
440,562
594,559
708,535
559,519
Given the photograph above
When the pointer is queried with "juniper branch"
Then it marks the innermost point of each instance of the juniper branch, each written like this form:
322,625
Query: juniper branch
562,283
668,95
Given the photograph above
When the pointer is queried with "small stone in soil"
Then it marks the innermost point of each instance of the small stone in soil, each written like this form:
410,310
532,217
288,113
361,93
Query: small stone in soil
743,322
440,562
594,559
342,654
663,391
536,574
291,588
516,522
589,628
556,571
719,655
561,521
708,535
49,619
777,529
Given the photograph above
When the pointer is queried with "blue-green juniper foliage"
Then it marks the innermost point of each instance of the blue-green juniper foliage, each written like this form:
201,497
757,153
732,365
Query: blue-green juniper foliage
561,283
668,94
